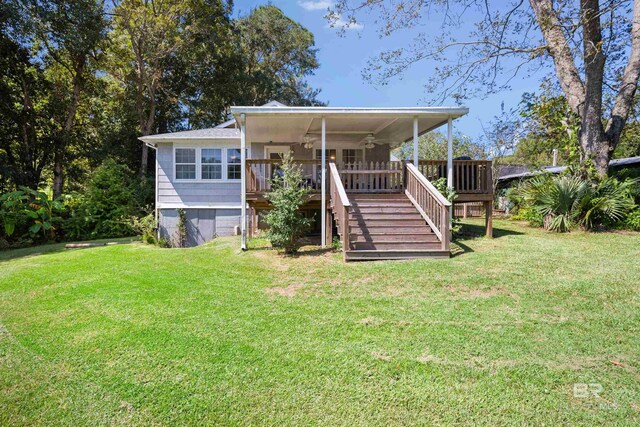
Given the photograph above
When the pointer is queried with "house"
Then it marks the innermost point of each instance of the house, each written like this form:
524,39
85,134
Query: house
379,207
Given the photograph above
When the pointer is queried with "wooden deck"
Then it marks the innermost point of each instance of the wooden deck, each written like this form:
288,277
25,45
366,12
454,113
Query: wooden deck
388,210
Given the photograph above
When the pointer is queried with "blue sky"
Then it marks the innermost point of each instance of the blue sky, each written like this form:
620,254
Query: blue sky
342,60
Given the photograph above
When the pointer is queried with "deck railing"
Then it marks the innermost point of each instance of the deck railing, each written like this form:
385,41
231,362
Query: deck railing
372,177
469,176
431,204
340,204
261,171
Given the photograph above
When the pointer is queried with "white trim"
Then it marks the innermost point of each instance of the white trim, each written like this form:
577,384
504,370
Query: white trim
187,206
323,169
416,147
341,111
198,179
243,185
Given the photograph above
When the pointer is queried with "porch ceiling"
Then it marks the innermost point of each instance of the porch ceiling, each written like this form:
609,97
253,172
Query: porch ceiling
349,125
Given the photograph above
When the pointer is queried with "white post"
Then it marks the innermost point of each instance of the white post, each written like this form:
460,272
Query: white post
323,171
243,181
415,141
450,159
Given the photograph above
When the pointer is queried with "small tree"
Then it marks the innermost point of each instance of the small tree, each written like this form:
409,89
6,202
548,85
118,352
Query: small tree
288,193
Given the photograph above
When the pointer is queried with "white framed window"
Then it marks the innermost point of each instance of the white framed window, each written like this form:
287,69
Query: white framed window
185,162
211,163
234,171
352,155
331,154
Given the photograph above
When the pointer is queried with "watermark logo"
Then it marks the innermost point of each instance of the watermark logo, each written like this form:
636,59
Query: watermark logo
587,391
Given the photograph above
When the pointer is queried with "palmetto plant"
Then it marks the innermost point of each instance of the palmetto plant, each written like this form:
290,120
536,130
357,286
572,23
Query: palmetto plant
567,201
557,199
608,202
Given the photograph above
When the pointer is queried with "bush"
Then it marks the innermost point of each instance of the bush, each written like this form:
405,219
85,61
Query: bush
29,215
562,202
145,227
288,193
112,197
529,214
632,220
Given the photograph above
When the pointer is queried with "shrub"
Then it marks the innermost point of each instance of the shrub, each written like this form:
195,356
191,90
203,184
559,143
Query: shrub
110,199
562,202
145,227
529,214
632,220
607,203
288,193
31,213
557,199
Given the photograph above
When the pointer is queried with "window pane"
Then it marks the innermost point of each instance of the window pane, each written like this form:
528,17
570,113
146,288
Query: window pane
185,171
211,171
211,155
185,155
233,171
351,156
331,155
233,155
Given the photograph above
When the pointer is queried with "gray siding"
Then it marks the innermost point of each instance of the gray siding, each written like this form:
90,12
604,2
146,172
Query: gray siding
203,225
178,194
379,153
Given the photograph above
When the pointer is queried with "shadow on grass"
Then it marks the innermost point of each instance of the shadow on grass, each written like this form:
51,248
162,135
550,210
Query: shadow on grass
474,231
52,248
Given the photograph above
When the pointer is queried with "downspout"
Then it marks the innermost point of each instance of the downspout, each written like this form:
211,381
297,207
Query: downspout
243,182
157,211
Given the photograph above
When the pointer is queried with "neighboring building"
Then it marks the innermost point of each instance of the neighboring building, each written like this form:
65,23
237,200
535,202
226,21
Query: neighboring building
512,173
391,208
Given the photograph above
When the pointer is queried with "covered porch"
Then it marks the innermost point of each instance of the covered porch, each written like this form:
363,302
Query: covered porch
346,152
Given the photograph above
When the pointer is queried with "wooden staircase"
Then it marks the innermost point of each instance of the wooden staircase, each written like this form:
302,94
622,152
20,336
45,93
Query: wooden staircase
407,223
388,226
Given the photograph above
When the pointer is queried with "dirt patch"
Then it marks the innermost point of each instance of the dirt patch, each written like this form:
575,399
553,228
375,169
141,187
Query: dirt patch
473,293
371,321
381,356
286,291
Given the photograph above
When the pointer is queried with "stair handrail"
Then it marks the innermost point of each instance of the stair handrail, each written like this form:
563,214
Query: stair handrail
431,204
340,204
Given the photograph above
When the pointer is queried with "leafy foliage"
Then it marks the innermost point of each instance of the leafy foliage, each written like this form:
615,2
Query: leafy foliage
288,193
566,201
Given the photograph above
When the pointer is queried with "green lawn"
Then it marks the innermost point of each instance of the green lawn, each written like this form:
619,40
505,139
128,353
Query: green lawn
497,335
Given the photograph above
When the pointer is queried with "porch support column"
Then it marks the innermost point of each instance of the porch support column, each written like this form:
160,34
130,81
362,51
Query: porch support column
415,141
323,171
243,182
450,159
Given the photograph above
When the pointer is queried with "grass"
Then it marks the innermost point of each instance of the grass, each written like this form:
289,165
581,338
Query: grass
497,335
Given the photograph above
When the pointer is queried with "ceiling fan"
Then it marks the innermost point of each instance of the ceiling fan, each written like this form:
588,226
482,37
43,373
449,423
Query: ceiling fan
307,141
371,141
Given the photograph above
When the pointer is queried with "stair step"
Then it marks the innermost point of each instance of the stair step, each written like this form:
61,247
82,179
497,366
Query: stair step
395,245
392,231
376,222
383,209
367,255
386,216
393,238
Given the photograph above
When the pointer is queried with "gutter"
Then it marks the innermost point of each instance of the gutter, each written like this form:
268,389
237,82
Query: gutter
155,196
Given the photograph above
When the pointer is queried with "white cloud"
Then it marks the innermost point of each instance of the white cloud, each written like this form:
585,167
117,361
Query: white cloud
340,23
315,4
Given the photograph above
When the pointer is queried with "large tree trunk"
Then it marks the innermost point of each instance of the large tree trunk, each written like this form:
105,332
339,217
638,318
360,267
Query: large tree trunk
60,145
593,141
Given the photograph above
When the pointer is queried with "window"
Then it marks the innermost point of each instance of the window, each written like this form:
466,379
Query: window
185,163
233,163
350,156
331,155
211,163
